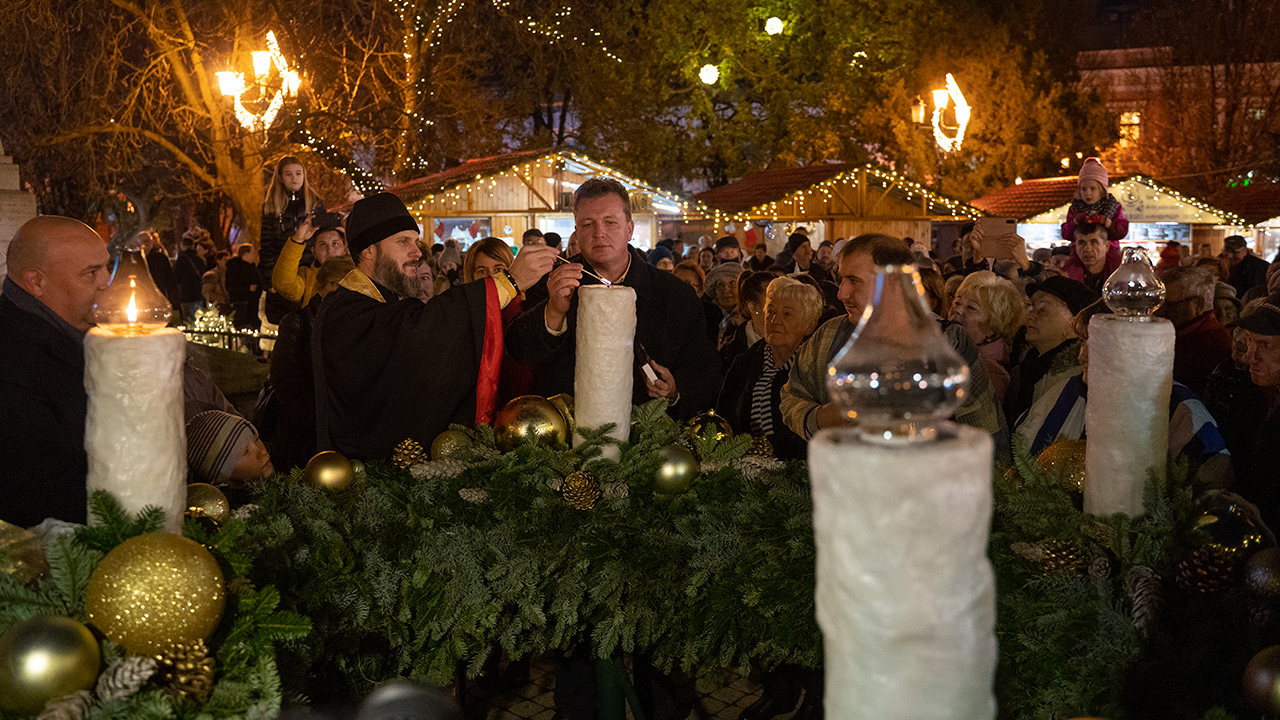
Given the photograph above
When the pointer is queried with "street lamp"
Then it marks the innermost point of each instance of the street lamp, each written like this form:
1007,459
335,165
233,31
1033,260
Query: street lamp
232,84
943,97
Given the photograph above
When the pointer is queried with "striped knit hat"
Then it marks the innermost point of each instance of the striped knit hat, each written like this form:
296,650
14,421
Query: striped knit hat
215,443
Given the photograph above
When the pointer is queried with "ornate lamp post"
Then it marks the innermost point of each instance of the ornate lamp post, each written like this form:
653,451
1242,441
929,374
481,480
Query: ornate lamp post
232,84
942,98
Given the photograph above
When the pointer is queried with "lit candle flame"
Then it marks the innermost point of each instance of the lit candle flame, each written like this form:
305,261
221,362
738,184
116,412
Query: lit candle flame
131,311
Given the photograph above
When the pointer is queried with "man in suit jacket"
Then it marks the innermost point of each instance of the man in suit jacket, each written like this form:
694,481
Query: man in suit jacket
57,269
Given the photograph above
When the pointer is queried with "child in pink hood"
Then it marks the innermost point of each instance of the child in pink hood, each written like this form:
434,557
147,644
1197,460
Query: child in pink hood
1094,204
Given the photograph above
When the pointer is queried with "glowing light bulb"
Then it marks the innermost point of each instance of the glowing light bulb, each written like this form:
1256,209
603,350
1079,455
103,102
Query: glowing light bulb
941,98
709,74
230,83
773,25
261,64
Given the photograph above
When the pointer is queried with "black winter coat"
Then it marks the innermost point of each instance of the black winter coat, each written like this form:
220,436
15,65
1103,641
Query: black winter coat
669,323
735,403
42,416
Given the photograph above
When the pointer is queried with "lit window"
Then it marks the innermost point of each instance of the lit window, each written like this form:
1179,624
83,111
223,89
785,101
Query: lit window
1130,127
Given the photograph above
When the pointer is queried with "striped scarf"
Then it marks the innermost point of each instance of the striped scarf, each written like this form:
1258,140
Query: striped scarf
762,394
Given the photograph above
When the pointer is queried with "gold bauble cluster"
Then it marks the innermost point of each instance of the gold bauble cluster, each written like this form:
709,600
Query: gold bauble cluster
154,591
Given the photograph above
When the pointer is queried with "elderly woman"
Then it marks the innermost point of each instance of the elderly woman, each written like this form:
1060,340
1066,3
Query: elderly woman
991,310
721,287
751,396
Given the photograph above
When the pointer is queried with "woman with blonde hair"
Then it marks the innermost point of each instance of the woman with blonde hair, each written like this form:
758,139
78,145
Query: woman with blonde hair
485,258
991,310
288,200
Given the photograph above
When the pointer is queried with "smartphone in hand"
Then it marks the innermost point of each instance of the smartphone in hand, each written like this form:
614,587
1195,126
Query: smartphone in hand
999,238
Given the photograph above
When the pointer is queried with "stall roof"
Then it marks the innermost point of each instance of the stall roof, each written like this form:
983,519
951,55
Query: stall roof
1046,199
753,192
480,168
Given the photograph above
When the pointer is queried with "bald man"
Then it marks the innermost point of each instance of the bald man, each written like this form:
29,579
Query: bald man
57,267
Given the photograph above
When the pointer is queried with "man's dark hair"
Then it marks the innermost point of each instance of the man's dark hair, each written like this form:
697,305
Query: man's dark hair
243,249
553,239
1088,228
530,233
884,249
598,187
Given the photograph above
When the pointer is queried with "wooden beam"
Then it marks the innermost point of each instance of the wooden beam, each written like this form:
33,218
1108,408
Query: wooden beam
535,192
882,196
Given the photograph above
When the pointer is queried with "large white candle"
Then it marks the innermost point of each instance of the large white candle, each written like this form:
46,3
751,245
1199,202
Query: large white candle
905,594
602,380
134,434
1127,416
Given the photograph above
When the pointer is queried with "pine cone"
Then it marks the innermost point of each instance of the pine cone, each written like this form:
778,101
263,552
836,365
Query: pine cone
408,452
615,490
1100,568
1208,569
684,442
125,677
186,670
68,707
761,447
1060,558
581,490
1147,595
475,496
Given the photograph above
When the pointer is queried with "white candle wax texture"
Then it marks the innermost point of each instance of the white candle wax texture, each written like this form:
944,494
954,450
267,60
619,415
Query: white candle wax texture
134,434
602,381
905,594
1127,417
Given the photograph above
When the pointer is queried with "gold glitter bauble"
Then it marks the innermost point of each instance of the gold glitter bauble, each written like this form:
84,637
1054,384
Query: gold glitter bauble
528,417
154,591
44,658
449,444
708,424
329,470
676,473
207,501
581,490
1064,460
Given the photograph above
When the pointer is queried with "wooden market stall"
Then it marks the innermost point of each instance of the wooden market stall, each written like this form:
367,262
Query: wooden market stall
507,194
1258,203
831,200
1156,212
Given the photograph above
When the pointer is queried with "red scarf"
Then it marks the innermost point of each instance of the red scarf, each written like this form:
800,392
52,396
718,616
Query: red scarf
490,356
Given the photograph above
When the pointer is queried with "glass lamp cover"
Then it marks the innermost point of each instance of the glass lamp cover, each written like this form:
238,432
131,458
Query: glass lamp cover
1133,291
132,304
898,377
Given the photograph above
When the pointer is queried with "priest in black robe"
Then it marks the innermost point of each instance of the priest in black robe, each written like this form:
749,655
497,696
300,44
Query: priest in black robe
389,367
670,330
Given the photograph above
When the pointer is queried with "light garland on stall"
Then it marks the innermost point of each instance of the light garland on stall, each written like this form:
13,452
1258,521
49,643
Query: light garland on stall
465,188
1127,187
825,191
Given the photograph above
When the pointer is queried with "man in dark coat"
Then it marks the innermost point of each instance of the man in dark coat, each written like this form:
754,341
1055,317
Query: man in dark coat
1247,270
57,269
1201,343
389,367
669,322
189,270
160,267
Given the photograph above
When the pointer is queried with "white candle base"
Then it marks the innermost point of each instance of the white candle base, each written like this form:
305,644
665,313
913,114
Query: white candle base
134,434
905,594
1127,416
602,380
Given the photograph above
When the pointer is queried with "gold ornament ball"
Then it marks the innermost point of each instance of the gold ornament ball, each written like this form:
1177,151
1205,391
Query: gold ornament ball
357,467
676,472
709,424
44,658
564,403
1262,681
1064,460
155,590
528,417
207,501
1262,573
329,470
448,445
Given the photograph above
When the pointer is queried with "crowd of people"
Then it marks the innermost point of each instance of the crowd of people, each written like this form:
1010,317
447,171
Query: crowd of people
384,337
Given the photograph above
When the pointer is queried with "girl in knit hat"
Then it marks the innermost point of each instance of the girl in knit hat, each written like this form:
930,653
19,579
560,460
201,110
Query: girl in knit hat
1094,204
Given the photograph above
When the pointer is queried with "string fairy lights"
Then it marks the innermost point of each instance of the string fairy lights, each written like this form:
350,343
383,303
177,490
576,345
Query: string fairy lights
1135,187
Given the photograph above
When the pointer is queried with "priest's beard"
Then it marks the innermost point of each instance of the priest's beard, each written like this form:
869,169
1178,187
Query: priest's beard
388,274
